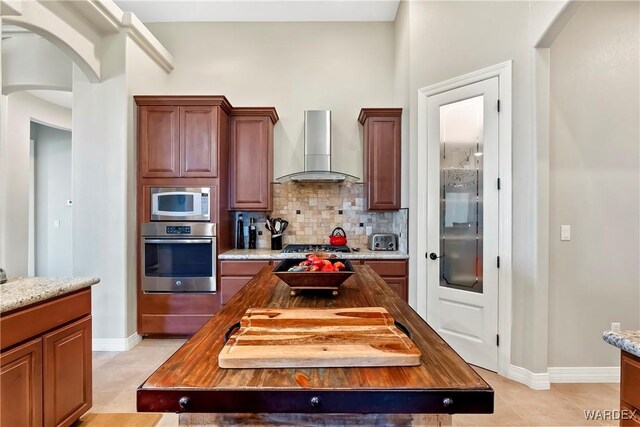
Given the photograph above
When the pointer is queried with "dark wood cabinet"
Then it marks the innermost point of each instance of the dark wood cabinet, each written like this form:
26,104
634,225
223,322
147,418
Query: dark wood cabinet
159,141
629,386
199,141
178,141
236,274
251,159
382,157
45,372
395,273
21,385
181,137
67,373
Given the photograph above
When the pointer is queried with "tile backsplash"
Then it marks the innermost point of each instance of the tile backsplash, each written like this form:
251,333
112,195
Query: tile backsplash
315,209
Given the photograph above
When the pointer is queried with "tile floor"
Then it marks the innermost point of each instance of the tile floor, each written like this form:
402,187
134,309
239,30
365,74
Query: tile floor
117,374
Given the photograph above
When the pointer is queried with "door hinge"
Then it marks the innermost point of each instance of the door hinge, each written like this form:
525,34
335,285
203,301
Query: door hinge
498,183
498,262
498,105
498,340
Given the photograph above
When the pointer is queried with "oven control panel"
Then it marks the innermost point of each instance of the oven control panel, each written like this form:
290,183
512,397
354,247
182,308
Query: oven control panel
178,229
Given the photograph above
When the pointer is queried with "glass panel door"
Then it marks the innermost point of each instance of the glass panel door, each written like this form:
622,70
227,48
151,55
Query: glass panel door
461,217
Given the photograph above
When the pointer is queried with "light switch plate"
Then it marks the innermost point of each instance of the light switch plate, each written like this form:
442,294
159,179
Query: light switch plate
565,232
56,223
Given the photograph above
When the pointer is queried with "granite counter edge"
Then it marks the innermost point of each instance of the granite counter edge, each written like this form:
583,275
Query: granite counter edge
628,341
22,292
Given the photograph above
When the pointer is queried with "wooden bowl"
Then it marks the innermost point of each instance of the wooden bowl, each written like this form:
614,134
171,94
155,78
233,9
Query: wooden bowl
317,280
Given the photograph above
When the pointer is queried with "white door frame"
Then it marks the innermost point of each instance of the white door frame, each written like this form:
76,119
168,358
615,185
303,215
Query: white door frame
503,72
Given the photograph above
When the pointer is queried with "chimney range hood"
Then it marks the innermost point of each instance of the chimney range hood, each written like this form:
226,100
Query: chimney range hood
317,151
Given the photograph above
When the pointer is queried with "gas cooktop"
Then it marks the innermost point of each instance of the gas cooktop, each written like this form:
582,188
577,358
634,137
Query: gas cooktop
310,248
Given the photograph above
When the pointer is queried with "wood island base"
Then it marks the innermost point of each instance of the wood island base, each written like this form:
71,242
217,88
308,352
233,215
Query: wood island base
313,420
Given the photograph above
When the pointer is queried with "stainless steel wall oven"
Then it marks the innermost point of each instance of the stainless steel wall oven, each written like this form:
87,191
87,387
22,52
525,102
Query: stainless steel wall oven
178,257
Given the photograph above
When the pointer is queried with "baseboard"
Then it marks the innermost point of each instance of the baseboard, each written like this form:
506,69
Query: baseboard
603,374
528,378
116,344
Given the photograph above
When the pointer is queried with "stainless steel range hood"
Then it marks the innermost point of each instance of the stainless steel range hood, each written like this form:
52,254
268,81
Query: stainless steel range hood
317,151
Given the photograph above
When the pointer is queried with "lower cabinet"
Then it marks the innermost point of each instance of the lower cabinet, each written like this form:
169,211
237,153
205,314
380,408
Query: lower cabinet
235,274
629,386
67,373
21,385
394,272
46,368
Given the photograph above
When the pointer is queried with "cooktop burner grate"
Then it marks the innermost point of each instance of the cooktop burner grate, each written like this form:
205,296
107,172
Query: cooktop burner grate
310,248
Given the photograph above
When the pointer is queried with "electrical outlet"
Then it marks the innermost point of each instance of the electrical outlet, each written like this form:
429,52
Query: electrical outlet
565,232
615,327
369,230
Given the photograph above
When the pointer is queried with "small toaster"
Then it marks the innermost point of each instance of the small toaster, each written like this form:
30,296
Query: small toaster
383,242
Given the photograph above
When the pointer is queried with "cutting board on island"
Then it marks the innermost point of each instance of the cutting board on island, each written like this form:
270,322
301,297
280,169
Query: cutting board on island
316,337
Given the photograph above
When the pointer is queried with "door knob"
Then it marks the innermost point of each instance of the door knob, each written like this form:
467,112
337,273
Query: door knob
433,256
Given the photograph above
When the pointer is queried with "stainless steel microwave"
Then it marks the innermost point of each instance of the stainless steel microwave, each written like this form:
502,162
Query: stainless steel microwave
180,204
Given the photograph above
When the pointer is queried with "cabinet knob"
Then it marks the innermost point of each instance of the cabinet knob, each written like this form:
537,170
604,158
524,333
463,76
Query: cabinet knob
447,402
315,401
184,402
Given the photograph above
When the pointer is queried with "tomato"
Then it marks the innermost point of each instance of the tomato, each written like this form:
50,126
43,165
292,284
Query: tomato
327,262
327,268
339,265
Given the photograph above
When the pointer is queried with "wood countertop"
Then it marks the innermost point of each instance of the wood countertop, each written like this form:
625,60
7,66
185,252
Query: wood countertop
192,381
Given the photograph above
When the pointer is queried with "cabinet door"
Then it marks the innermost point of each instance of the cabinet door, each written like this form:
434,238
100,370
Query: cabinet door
67,373
382,163
398,285
21,385
159,144
251,157
386,268
199,141
231,286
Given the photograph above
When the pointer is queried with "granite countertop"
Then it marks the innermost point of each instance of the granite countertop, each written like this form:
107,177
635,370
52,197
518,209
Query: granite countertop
20,292
249,254
628,341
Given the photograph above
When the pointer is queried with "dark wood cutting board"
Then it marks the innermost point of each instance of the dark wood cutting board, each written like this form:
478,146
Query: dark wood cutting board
310,338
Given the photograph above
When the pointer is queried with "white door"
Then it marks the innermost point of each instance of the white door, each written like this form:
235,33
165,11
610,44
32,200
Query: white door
462,220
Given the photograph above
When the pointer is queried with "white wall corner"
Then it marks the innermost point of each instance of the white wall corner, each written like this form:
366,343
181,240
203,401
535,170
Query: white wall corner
116,344
596,374
532,380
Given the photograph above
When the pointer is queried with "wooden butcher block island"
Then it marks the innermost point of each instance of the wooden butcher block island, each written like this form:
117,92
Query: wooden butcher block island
192,383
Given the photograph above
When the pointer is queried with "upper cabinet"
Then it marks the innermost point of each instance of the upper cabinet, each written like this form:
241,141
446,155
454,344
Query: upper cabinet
251,158
159,141
180,136
199,141
382,157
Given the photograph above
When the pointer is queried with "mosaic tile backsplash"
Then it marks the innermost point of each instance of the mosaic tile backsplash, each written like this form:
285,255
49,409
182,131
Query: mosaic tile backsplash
315,209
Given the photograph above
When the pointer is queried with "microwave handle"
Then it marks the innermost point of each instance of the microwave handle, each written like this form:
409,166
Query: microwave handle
171,241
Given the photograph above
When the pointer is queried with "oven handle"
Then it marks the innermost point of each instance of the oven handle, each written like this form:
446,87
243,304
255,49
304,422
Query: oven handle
171,241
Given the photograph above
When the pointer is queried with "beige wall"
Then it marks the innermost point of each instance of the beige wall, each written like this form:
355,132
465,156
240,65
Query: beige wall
293,67
595,182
